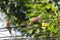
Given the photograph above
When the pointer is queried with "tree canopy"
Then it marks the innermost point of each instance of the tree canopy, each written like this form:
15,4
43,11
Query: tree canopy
19,13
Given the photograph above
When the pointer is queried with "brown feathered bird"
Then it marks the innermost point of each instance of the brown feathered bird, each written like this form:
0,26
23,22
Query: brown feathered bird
58,15
34,19
7,25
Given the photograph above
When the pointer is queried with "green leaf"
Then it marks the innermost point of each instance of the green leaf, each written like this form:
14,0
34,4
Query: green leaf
29,31
31,15
37,31
54,8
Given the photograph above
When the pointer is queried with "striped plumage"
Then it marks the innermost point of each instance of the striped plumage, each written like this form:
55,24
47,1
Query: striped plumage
7,24
34,19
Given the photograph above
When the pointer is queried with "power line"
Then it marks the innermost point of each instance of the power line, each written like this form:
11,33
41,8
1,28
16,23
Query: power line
25,37
3,30
10,27
18,36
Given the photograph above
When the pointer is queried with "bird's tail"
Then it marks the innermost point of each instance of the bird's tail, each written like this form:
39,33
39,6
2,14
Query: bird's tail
9,29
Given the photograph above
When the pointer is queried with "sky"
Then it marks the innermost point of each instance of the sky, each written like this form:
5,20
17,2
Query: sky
6,33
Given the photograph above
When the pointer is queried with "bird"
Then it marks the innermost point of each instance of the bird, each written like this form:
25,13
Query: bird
33,20
7,25
58,15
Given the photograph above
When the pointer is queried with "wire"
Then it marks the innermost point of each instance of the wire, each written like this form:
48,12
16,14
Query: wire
26,37
19,36
10,27
3,30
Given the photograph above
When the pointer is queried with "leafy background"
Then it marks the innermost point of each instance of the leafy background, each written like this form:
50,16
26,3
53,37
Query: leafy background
19,13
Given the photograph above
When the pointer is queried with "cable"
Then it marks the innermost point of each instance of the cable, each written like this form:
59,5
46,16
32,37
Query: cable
10,27
18,36
25,37
3,30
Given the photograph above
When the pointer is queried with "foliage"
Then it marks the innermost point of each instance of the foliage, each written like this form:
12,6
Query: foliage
20,11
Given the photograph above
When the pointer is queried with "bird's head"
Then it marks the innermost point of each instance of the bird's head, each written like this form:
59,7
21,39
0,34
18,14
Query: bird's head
5,18
39,16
